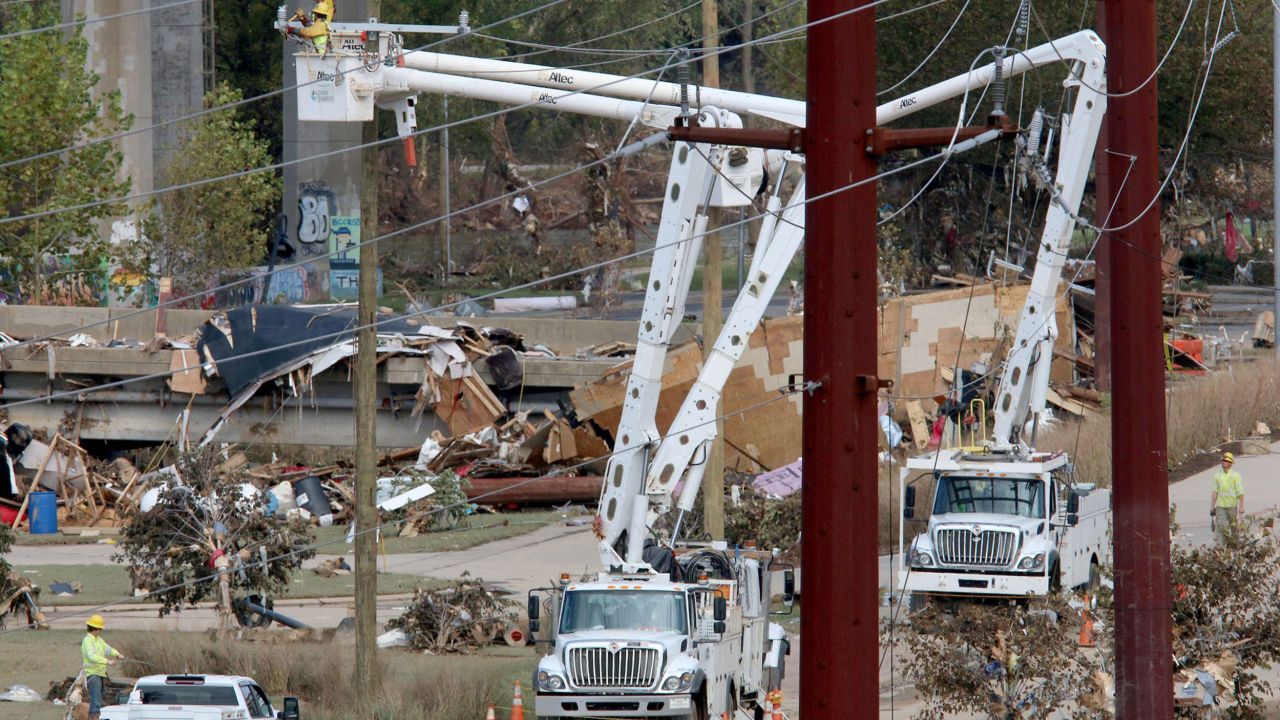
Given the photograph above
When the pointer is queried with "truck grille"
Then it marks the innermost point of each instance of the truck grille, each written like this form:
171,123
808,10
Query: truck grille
988,548
623,667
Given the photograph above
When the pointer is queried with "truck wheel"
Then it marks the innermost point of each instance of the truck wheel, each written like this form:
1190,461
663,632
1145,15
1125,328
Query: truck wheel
698,708
1095,576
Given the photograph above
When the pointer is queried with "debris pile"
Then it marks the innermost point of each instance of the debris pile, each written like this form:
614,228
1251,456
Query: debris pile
208,531
458,618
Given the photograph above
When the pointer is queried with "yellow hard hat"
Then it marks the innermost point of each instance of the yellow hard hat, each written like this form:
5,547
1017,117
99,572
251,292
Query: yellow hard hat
324,7
96,621
1228,457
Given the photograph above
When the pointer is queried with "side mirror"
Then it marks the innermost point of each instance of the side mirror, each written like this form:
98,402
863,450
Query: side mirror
1073,506
535,610
1072,519
718,627
789,588
290,711
720,610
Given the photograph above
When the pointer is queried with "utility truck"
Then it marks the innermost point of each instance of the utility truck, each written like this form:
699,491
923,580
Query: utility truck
1007,521
663,629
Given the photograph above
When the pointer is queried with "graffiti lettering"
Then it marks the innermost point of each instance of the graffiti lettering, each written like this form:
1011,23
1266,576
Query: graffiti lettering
316,203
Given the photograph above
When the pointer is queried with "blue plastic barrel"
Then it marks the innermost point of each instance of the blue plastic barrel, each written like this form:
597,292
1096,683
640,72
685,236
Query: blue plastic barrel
42,508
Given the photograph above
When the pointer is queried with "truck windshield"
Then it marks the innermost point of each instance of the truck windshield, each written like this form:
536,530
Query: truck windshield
1003,496
623,610
187,695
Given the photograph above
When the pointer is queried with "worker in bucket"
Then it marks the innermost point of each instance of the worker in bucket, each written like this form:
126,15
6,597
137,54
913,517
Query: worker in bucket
315,28
1227,499
97,656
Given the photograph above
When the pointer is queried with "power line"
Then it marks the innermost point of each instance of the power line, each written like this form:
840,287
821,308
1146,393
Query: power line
86,21
263,96
284,268
496,293
310,548
964,8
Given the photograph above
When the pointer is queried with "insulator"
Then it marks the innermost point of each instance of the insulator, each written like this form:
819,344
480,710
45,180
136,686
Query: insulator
682,76
1024,18
1033,133
464,20
997,83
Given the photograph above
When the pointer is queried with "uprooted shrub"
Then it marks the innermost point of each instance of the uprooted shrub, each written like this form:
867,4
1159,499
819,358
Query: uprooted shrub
208,535
1011,661
456,618
1006,662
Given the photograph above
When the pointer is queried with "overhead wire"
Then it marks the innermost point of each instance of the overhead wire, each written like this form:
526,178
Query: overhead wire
1099,232
84,391
783,394
929,56
270,93
284,268
102,18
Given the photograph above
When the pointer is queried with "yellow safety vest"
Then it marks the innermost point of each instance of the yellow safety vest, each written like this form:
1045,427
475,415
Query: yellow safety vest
1229,487
96,651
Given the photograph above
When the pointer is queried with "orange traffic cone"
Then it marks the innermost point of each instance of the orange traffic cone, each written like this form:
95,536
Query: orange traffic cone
517,704
775,697
489,715
1086,625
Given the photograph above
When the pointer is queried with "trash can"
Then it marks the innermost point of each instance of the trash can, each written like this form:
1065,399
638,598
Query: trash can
309,494
43,512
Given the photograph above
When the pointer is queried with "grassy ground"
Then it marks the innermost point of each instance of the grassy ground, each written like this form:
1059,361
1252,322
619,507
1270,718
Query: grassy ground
26,538
104,583
416,686
473,530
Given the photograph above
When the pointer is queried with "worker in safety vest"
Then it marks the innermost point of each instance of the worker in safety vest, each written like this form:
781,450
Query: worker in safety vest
1228,497
97,656
315,28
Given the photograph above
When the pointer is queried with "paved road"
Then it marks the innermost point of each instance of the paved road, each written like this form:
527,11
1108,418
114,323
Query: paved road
519,563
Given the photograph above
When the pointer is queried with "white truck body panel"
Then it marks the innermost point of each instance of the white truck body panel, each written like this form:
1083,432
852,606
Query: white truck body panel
232,686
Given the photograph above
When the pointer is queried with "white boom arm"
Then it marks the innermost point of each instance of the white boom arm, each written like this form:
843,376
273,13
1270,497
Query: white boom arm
640,479
1024,384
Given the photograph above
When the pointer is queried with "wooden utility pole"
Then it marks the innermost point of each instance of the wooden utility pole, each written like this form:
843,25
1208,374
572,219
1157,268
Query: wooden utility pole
366,401
446,249
712,314
841,603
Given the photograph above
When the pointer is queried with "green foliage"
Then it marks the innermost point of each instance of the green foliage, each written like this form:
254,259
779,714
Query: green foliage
195,233
51,101
1208,267
770,522
171,549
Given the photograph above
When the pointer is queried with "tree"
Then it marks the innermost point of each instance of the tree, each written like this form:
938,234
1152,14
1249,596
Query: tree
208,535
49,103
196,233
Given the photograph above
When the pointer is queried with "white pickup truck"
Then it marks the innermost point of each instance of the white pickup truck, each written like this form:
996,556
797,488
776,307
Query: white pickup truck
199,697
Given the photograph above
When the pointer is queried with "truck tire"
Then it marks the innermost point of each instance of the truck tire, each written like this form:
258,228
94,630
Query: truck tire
698,708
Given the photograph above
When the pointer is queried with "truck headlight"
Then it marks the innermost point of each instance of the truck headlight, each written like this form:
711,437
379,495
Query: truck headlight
547,681
1031,562
920,558
678,683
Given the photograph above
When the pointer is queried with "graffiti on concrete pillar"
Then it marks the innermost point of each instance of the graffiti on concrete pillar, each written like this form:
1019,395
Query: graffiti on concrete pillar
316,204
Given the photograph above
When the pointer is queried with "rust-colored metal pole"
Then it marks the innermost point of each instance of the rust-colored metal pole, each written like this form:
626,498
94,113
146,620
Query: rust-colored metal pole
1138,439
839,622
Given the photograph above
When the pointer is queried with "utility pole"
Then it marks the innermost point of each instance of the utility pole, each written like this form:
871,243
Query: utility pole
1275,184
712,294
1139,441
366,400
446,251
840,511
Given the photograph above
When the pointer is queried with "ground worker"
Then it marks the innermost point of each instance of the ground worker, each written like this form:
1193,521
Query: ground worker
1228,498
316,28
97,656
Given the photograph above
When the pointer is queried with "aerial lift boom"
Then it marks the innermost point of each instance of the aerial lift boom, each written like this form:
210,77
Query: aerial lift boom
645,468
